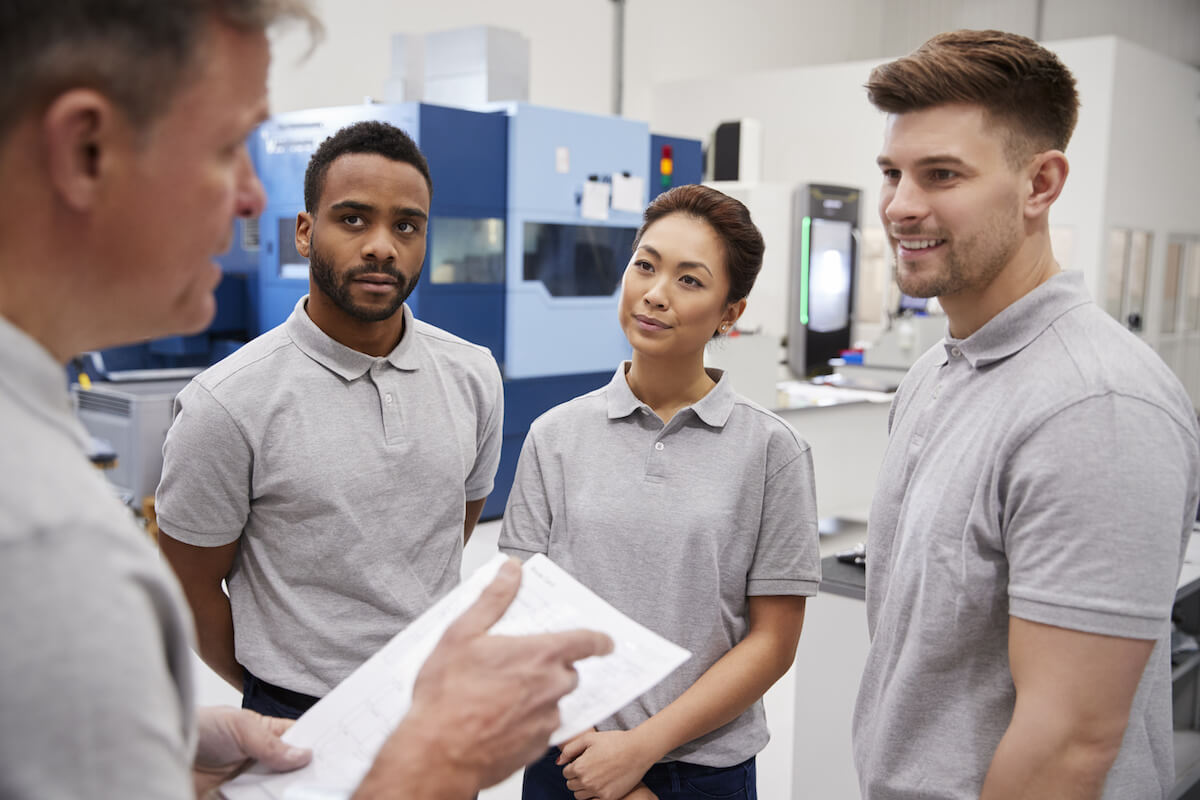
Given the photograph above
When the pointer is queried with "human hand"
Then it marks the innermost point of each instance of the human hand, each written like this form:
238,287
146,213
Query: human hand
605,765
229,738
483,706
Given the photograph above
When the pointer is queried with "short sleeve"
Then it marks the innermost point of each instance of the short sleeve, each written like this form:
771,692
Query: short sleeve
787,558
203,498
525,529
1095,514
489,439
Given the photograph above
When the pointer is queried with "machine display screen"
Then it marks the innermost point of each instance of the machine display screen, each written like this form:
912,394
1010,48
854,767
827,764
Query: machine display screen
829,275
291,264
576,260
466,250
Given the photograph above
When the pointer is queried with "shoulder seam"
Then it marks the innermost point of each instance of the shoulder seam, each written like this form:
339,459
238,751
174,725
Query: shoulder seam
279,346
1096,395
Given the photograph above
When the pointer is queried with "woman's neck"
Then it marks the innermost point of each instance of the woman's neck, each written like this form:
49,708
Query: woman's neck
667,385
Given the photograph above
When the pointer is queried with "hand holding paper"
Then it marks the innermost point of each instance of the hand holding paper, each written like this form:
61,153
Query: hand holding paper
493,695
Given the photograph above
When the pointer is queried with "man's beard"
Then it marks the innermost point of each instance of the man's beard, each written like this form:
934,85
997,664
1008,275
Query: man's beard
320,269
971,264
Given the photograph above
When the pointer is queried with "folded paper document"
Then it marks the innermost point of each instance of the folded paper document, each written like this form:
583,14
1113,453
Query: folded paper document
348,726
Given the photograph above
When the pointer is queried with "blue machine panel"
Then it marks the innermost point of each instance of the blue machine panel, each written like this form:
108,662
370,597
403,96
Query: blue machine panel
569,326
687,162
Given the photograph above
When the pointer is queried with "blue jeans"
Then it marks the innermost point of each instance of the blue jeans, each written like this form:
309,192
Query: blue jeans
674,780
271,700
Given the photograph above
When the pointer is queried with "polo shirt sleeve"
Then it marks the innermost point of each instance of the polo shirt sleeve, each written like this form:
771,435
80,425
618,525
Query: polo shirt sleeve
787,558
489,437
1093,504
89,705
203,498
525,528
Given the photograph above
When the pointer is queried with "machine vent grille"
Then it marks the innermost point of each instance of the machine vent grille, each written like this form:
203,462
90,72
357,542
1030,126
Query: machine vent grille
105,404
250,235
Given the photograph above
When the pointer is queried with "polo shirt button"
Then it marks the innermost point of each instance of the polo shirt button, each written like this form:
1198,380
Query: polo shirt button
658,445
388,397
954,351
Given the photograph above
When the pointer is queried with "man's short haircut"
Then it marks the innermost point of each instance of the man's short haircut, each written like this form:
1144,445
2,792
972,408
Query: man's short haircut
378,138
1019,84
138,53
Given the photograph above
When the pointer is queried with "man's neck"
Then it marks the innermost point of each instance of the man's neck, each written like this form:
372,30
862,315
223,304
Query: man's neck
1031,266
376,339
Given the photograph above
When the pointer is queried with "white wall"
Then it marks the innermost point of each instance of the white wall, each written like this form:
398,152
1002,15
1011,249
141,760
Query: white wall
570,53
1154,174
670,40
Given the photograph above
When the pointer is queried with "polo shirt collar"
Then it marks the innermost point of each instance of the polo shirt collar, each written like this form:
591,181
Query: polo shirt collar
32,378
713,409
1017,326
347,362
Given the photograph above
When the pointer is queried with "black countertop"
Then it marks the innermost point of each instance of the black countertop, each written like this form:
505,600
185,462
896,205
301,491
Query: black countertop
848,580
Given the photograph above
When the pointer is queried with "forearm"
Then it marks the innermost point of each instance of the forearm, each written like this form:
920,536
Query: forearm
1047,759
720,695
214,634
201,571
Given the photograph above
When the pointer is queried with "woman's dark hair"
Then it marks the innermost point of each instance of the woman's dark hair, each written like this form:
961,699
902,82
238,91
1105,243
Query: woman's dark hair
728,218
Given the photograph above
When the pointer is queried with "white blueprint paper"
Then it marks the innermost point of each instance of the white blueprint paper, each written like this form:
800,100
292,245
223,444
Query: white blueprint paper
349,725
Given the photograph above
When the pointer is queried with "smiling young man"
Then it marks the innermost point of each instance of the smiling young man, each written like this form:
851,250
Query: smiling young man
1042,470
332,469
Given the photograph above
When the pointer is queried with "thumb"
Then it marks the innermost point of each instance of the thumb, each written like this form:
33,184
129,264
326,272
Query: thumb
260,740
491,605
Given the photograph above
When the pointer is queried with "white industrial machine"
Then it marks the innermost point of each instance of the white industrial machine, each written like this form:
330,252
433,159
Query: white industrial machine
133,418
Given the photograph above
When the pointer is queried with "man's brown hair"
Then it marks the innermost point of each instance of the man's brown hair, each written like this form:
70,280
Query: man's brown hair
1019,84
136,52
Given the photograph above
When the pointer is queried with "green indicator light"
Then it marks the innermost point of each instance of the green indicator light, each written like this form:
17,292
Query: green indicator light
804,232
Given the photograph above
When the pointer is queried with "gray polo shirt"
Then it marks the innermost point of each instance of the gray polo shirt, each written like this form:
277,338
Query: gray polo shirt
345,478
674,524
95,673
1045,468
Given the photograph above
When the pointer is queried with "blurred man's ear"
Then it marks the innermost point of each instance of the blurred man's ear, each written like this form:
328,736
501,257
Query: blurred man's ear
79,130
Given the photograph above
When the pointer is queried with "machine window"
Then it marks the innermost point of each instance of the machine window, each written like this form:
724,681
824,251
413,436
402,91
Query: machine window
466,250
576,260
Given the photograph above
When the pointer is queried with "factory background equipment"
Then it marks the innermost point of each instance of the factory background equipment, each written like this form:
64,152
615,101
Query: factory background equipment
824,265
